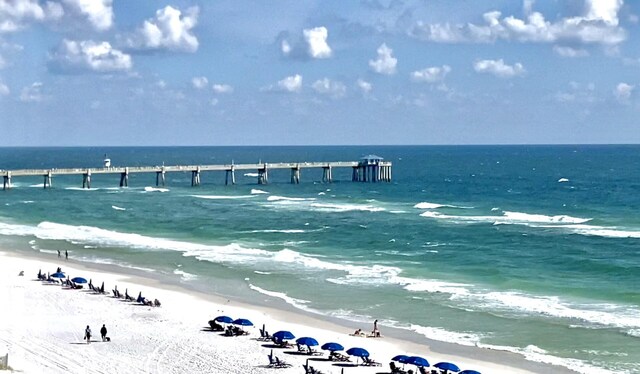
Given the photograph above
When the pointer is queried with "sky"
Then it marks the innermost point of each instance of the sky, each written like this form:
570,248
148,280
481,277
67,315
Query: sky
334,72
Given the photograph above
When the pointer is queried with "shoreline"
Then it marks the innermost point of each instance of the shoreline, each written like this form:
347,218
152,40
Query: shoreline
395,341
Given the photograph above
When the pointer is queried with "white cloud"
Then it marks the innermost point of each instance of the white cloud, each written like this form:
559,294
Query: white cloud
597,24
385,63
4,89
32,93
285,47
431,74
578,93
498,68
15,14
570,52
316,39
199,82
170,29
222,88
98,12
365,86
291,84
623,92
326,86
89,55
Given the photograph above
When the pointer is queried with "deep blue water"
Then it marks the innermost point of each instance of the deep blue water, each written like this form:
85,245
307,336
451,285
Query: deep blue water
527,248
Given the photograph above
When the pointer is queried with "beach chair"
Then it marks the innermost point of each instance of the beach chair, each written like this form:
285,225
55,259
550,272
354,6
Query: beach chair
156,302
395,369
282,363
272,362
366,361
422,370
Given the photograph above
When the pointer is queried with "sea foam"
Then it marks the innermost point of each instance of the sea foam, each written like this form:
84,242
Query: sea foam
223,197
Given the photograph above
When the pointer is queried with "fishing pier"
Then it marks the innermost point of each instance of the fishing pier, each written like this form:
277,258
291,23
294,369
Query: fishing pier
368,169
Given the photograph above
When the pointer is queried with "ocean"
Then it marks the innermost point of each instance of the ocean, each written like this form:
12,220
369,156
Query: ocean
530,249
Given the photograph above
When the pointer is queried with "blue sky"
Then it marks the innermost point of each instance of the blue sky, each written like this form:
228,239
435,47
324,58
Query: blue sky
238,72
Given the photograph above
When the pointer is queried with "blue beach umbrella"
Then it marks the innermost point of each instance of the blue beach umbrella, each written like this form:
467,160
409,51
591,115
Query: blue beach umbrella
418,361
58,275
469,372
447,366
400,358
78,280
242,322
358,352
223,319
309,342
283,335
333,347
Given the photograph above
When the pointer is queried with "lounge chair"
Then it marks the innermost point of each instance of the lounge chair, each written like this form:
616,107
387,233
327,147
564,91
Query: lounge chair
366,361
215,326
281,364
422,370
395,369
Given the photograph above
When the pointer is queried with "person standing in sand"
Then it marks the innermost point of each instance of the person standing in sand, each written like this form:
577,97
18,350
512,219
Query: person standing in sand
58,253
103,332
375,333
66,255
87,334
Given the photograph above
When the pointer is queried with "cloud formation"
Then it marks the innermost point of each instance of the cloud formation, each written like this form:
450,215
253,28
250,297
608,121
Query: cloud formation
98,12
431,74
32,93
385,63
316,40
4,89
199,82
570,52
170,29
16,14
598,24
623,92
87,55
292,83
222,88
364,86
326,86
499,68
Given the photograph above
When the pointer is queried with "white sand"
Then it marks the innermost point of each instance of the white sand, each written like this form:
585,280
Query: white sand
42,327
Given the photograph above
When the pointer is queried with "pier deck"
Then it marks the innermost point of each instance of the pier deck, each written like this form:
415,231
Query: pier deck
363,171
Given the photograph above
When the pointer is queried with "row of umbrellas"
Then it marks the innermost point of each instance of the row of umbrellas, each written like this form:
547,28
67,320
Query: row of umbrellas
420,361
355,351
59,274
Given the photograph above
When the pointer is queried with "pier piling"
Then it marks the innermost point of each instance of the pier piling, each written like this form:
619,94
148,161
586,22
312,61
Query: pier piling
47,180
195,177
7,181
263,174
124,178
86,180
295,174
326,174
160,177
230,173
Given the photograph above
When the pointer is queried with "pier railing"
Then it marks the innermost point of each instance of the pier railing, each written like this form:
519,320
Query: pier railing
362,171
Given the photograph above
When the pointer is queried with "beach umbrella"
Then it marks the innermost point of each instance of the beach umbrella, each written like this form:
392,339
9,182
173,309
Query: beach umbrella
417,360
332,347
469,372
58,275
242,322
78,280
358,352
223,319
309,342
400,358
283,335
447,366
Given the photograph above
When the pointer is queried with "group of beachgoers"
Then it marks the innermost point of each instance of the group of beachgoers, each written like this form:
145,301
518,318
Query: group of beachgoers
354,356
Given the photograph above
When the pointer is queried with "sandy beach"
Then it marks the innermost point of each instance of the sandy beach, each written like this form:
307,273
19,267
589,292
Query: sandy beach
42,327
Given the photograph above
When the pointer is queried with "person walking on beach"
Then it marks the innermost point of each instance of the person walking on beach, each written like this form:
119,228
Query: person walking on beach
103,332
375,332
66,255
58,253
87,334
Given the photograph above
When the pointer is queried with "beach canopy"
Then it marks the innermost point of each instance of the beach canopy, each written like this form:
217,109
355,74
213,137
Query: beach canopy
332,347
283,335
223,319
447,366
243,322
417,360
469,372
358,352
78,280
400,358
58,275
310,342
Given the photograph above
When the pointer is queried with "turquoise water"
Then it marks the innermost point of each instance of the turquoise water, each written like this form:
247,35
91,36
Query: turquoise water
528,249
